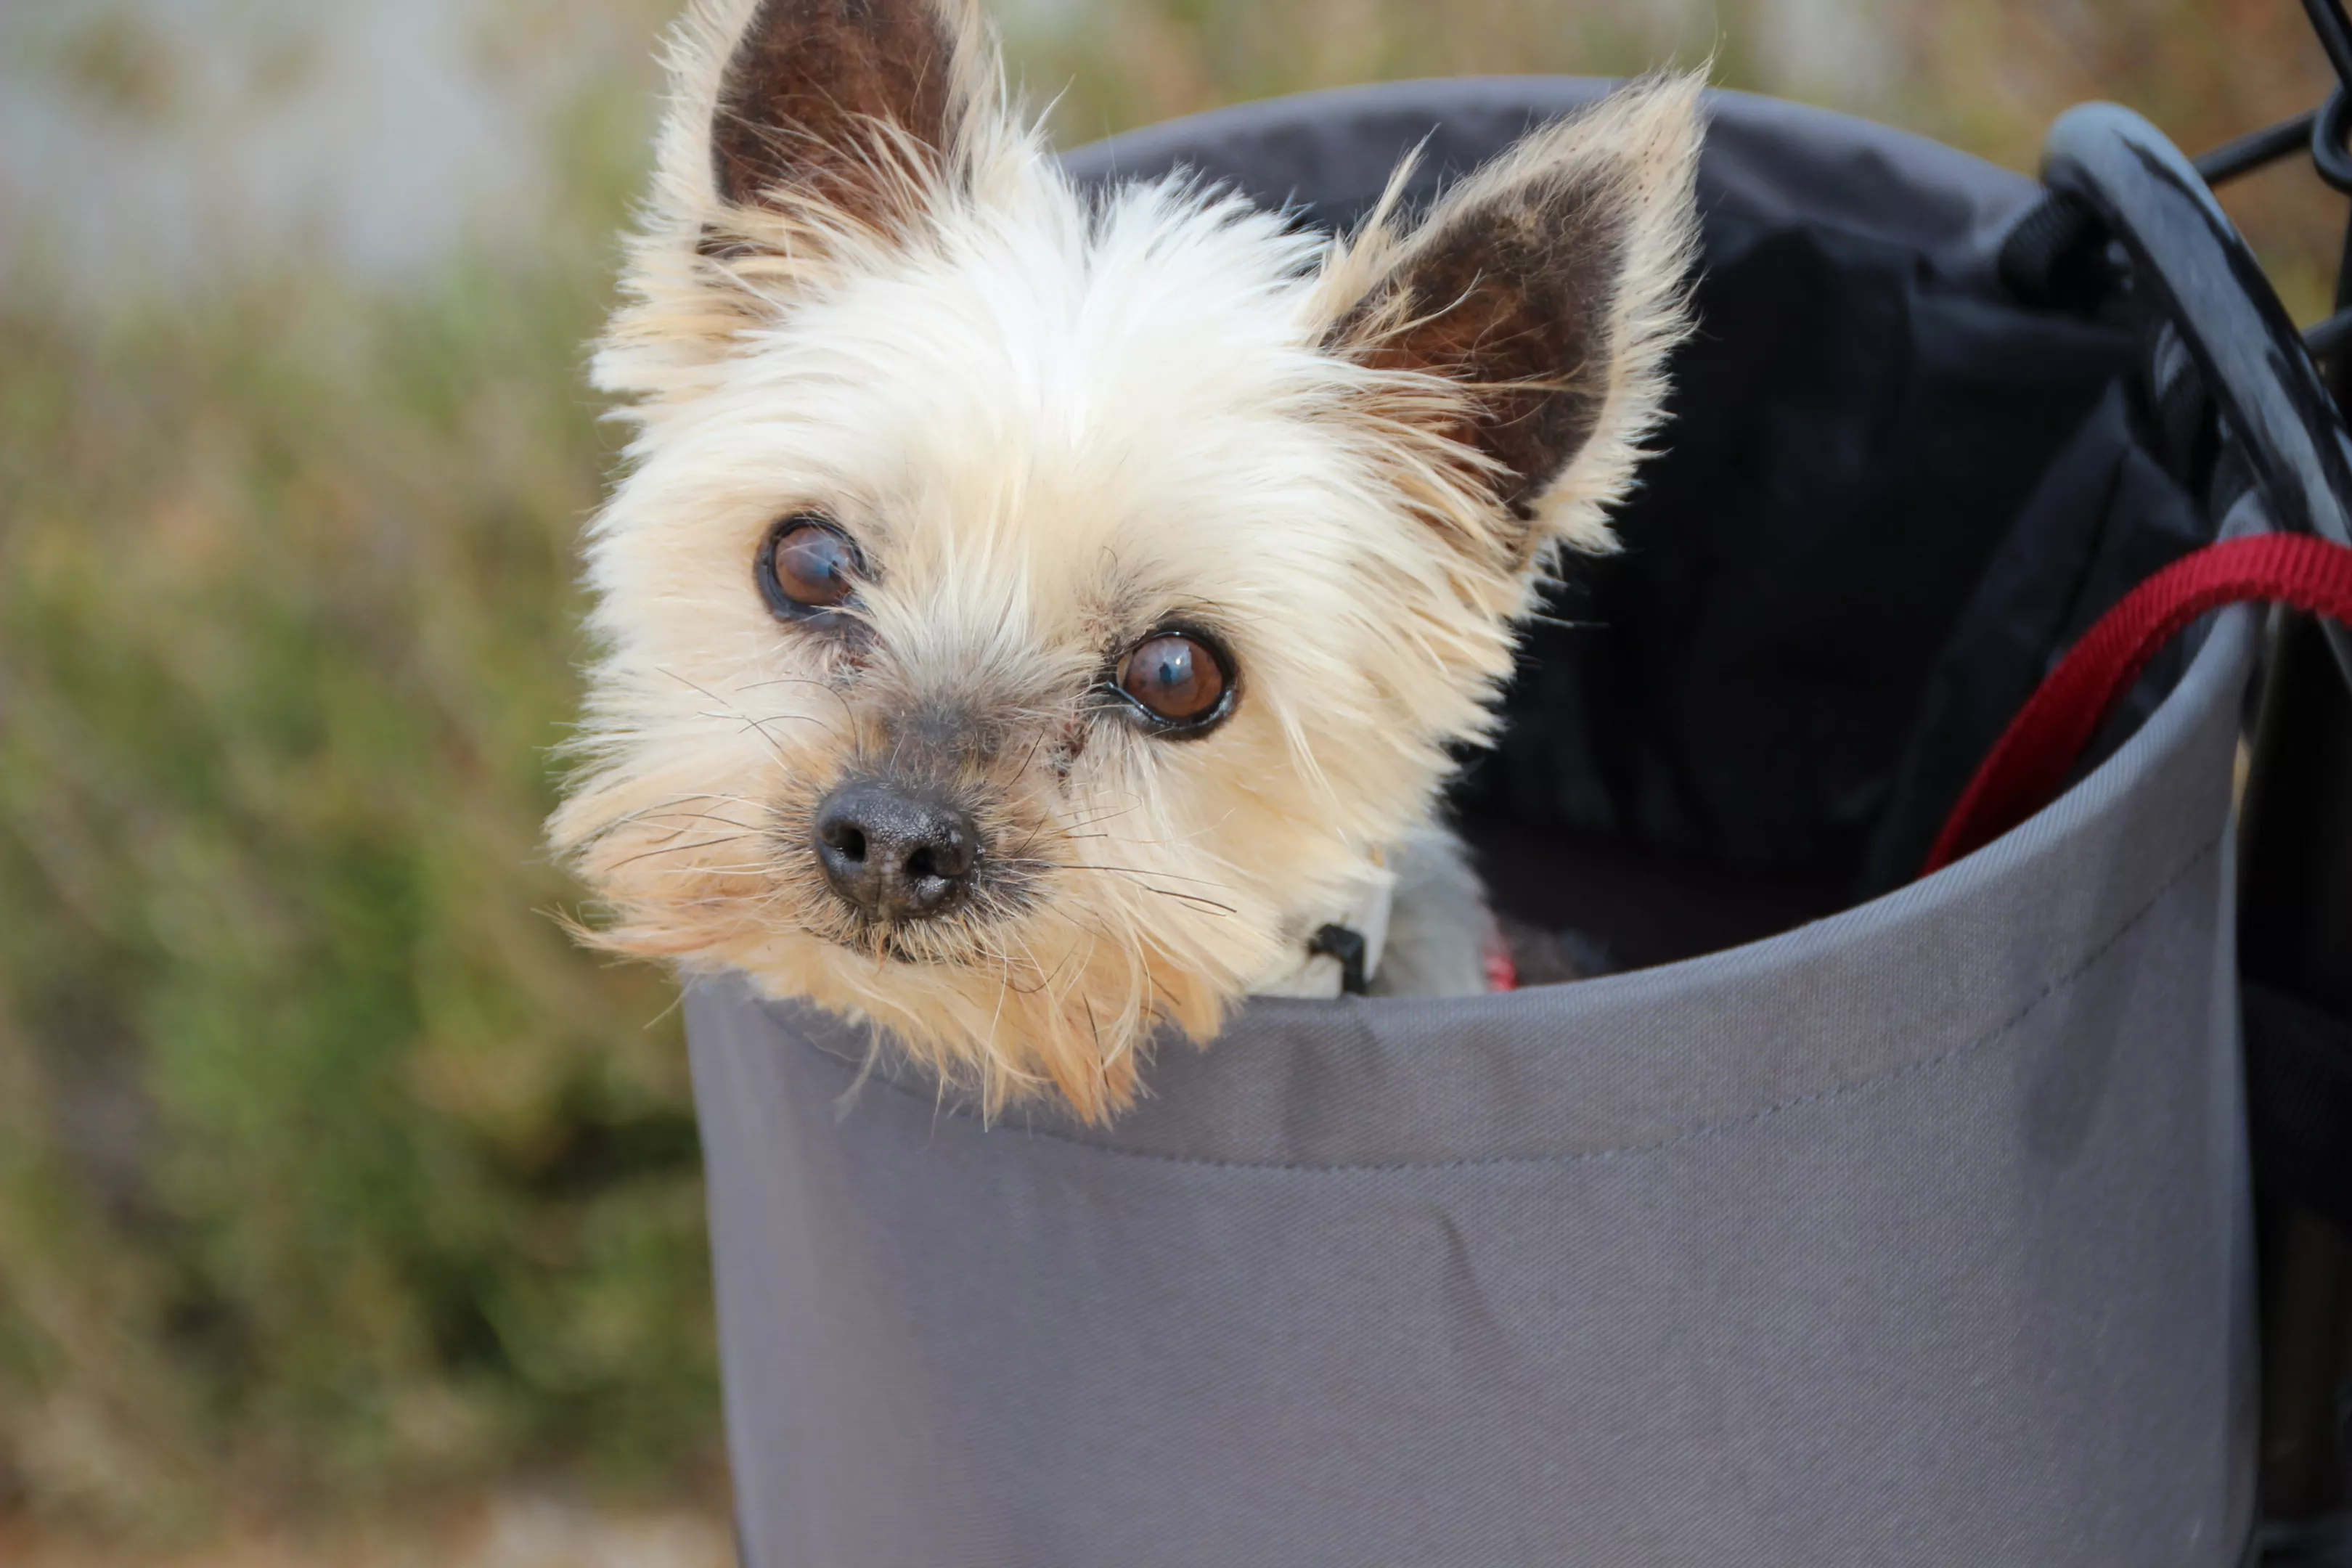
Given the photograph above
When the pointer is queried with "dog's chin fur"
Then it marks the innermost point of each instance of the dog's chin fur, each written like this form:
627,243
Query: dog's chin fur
1053,423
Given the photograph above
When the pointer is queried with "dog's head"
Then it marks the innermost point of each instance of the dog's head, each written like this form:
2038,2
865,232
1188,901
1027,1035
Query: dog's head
1029,616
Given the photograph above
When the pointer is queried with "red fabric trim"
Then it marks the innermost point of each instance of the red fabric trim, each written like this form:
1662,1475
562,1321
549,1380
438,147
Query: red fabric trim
2042,743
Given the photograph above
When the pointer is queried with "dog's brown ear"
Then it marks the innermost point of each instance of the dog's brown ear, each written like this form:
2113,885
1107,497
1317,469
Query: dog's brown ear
802,137
846,106
1549,288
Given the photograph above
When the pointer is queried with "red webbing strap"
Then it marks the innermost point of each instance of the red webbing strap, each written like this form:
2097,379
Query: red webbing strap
2042,744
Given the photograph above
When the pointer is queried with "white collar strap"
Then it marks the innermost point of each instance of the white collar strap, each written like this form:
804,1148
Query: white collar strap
1319,969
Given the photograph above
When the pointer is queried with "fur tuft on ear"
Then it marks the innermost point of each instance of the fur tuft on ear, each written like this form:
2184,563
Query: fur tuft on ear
844,104
801,136
1549,290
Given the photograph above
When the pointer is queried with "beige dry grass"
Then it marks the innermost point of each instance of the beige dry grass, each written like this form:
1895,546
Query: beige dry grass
507,1532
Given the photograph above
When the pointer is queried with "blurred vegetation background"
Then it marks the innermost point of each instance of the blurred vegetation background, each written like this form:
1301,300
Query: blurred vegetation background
331,1179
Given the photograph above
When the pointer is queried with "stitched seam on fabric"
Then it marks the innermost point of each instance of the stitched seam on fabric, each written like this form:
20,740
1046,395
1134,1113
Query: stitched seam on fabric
1719,1128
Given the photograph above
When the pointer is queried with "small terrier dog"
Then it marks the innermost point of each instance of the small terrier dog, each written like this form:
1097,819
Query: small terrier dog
1032,618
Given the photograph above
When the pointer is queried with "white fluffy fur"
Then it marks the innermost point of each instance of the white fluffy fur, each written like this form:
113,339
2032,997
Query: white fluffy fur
1052,422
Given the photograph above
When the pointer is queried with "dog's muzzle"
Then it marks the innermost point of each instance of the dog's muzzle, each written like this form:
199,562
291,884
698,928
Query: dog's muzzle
895,853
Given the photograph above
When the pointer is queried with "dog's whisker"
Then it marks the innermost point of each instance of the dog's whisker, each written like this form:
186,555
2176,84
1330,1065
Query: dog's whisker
734,711
699,816
741,868
1138,879
1100,819
1128,871
749,723
657,810
1194,899
675,849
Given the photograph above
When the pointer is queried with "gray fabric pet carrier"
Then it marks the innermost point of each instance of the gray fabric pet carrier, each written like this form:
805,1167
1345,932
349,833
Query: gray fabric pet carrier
1852,1219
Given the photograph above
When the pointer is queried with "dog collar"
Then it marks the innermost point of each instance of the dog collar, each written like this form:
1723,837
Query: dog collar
1342,955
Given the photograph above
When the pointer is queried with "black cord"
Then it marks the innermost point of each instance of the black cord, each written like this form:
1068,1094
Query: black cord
2256,148
2334,32
2328,154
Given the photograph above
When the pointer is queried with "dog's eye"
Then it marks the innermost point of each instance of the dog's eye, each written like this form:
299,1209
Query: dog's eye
807,566
1178,677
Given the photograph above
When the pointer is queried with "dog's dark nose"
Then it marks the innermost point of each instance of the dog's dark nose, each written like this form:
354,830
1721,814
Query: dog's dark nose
894,852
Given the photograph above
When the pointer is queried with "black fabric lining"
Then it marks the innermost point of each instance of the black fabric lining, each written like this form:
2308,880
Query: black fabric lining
1873,482
1888,496
2299,1100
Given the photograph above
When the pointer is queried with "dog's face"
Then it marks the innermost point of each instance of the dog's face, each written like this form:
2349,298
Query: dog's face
1028,617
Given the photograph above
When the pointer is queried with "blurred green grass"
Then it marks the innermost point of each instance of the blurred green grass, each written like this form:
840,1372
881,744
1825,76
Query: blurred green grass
329,1173
328,1163
329,1169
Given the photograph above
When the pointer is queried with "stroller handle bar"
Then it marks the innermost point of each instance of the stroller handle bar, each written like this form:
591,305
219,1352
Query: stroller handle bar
2205,281
2208,285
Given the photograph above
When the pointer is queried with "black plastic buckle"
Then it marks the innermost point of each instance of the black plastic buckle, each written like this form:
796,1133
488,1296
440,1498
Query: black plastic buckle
1348,946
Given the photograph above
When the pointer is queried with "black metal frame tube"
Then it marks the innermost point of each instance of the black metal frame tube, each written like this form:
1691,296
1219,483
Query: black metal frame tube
2192,266
2255,149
